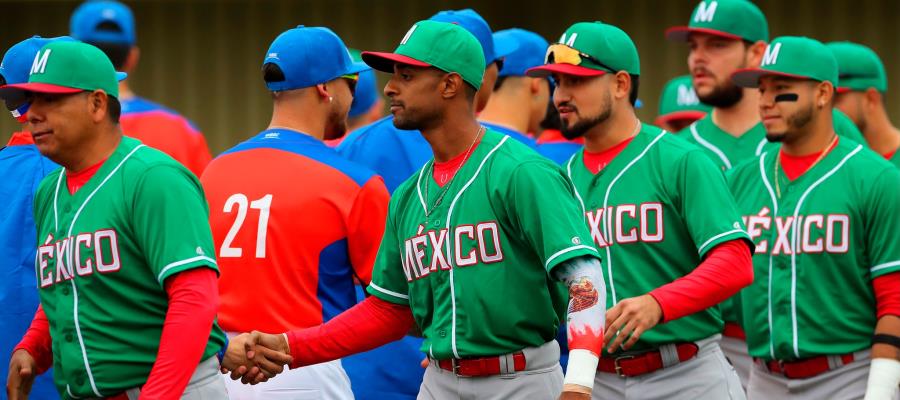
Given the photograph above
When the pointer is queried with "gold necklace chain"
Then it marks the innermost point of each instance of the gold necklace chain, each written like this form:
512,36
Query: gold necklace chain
778,163
446,187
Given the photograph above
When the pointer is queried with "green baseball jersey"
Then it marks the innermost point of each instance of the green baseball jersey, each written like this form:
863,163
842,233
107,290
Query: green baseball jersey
895,159
505,220
819,239
727,151
103,255
653,222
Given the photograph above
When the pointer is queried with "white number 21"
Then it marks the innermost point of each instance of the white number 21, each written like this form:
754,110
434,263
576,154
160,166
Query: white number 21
263,205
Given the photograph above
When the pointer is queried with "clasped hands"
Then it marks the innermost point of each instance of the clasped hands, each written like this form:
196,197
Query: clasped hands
256,357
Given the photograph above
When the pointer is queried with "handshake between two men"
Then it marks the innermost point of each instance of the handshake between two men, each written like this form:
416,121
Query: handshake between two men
256,357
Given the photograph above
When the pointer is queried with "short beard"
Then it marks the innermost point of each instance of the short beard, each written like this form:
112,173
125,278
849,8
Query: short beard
723,97
795,123
336,126
581,127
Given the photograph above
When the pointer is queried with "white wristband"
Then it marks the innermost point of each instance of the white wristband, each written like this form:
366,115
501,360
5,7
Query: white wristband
884,377
582,368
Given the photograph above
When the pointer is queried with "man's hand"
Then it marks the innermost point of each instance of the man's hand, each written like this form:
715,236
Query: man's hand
22,368
629,319
256,357
574,396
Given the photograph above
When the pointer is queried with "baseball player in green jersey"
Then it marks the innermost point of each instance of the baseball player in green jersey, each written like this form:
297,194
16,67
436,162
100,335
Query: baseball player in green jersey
862,83
671,251
123,265
724,36
679,105
823,212
474,245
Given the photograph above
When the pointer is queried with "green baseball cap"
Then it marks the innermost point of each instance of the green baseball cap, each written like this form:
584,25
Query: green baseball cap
68,67
733,19
680,101
859,68
590,49
793,57
445,46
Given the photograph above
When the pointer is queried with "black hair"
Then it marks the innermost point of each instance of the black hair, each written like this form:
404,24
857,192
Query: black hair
633,94
113,108
471,91
499,82
272,73
117,52
2,80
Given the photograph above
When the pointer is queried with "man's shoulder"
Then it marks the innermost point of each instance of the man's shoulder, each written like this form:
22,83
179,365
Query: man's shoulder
139,107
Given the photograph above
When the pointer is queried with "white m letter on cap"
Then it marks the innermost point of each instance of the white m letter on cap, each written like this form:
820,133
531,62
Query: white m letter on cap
408,34
771,55
687,96
706,11
571,41
40,62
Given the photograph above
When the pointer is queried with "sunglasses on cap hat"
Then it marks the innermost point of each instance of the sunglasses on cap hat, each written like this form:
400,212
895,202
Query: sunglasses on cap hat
559,53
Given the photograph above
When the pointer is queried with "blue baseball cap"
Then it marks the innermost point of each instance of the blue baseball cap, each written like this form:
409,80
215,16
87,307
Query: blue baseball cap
309,56
525,49
366,93
471,21
16,65
85,24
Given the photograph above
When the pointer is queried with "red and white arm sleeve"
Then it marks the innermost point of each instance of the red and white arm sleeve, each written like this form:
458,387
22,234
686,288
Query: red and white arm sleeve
365,326
585,318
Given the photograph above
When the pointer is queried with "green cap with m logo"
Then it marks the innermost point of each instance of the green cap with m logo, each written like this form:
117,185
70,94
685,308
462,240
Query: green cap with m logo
68,67
442,45
733,19
792,57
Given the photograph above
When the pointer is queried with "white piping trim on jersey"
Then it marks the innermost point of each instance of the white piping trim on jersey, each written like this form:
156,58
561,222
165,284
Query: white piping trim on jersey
419,188
180,263
566,250
69,390
56,196
710,146
607,225
795,243
703,246
388,292
577,195
87,365
759,147
885,265
450,255
762,173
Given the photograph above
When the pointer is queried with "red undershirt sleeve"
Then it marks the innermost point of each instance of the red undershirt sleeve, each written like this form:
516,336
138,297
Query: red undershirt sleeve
193,302
887,294
367,325
726,269
37,341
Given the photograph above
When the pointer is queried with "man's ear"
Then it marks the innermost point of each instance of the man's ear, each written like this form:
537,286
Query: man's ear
452,85
623,85
755,54
97,105
322,90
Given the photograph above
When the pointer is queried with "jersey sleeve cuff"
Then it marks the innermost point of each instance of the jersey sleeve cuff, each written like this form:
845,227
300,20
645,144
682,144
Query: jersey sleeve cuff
569,253
184,265
884,269
388,295
723,237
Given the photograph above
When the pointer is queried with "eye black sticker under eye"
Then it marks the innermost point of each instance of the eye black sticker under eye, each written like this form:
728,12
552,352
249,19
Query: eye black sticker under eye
787,97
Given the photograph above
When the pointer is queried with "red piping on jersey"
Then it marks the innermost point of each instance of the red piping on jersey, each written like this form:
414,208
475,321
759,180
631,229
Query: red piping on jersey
595,162
365,326
890,155
726,270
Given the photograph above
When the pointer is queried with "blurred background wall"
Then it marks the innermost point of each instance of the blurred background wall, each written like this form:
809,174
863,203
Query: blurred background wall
202,57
